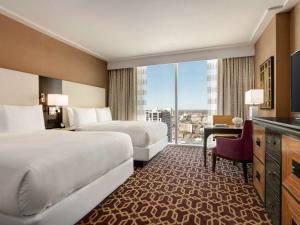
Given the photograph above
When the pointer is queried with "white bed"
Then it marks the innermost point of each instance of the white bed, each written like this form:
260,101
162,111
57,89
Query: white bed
148,138
56,177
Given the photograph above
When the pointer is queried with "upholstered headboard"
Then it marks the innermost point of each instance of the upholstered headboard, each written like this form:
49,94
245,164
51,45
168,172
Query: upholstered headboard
81,95
18,88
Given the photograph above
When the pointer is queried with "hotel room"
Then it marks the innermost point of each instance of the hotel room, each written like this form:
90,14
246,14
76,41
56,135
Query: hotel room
149,112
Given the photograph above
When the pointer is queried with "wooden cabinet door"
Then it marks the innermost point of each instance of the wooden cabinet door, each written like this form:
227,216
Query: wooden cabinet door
290,209
259,142
259,177
291,165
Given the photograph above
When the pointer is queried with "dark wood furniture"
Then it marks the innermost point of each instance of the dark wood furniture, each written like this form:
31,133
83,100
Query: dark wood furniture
276,168
223,119
50,86
209,130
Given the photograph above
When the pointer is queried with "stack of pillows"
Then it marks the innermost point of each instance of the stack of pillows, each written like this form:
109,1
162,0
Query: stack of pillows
31,118
83,116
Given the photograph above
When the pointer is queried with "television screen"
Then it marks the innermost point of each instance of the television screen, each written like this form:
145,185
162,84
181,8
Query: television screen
295,98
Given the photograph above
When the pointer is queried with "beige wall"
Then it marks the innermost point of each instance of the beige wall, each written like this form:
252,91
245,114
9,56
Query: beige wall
27,50
283,66
265,47
295,28
275,41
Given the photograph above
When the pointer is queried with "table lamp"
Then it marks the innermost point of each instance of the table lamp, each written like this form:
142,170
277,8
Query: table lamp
54,101
254,97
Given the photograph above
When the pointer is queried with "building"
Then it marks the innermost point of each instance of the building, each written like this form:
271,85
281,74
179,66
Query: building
163,116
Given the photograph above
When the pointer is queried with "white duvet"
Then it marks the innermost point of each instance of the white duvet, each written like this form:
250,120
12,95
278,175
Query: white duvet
39,169
142,133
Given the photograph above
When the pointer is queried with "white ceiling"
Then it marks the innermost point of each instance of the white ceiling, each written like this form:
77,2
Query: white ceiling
121,29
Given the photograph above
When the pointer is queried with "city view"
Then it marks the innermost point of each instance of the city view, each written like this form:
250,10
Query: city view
190,85
190,124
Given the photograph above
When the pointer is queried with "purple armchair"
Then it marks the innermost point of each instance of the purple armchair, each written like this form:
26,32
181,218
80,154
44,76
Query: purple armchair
237,150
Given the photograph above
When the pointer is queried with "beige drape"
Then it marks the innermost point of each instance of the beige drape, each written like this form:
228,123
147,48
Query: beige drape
123,93
235,77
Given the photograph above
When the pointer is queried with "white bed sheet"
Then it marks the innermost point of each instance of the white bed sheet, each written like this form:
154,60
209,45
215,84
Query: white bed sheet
142,133
39,169
76,205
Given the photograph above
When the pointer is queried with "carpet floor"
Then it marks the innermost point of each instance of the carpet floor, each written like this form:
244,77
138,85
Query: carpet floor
175,188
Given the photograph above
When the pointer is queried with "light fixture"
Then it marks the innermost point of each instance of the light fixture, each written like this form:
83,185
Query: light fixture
254,97
54,101
42,98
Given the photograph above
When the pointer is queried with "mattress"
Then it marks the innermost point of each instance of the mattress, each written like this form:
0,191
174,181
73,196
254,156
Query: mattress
40,169
142,133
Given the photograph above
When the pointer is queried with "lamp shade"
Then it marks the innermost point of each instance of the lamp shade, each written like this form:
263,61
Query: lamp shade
254,97
57,100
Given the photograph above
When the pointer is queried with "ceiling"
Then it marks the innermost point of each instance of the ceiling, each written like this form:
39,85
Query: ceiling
121,29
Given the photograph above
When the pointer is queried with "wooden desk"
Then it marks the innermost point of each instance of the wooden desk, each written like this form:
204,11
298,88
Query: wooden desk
209,130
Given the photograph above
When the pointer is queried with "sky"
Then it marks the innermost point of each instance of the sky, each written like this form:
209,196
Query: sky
192,86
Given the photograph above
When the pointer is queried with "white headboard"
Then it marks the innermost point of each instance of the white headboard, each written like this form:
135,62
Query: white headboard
81,95
18,88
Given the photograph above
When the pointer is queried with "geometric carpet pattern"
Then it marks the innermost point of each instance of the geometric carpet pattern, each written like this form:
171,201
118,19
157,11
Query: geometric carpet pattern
175,188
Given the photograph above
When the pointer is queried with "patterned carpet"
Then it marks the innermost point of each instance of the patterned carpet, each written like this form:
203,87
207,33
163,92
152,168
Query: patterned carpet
175,188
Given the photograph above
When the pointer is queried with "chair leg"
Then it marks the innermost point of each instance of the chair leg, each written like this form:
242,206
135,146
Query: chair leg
214,160
245,172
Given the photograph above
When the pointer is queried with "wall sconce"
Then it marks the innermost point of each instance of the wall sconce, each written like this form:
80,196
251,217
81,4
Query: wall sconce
54,101
42,98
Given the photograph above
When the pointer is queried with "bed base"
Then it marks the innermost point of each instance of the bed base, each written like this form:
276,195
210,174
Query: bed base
71,209
147,153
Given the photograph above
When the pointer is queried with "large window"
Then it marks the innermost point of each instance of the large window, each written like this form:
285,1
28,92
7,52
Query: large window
182,95
192,101
160,98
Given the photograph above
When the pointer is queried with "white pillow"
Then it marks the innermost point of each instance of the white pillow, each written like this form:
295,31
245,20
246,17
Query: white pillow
103,114
84,116
70,116
22,118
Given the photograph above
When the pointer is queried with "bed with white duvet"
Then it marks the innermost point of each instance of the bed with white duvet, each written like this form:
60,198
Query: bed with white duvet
56,177
148,138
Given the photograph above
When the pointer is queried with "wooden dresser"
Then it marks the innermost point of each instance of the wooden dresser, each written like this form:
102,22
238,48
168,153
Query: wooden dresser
276,168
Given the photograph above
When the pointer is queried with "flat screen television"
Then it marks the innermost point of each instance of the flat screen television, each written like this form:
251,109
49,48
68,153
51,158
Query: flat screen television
295,85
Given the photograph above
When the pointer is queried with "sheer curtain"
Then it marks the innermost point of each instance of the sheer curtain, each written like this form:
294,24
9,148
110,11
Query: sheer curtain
235,76
123,93
212,83
141,92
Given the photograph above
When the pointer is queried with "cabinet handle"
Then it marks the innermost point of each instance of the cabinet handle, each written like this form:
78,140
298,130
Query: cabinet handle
257,175
257,142
269,173
296,168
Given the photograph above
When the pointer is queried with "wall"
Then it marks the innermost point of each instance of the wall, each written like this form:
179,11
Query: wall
283,66
265,47
295,29
27,50
295,35
275,41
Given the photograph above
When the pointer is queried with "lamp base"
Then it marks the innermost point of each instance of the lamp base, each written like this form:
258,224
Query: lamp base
253,111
